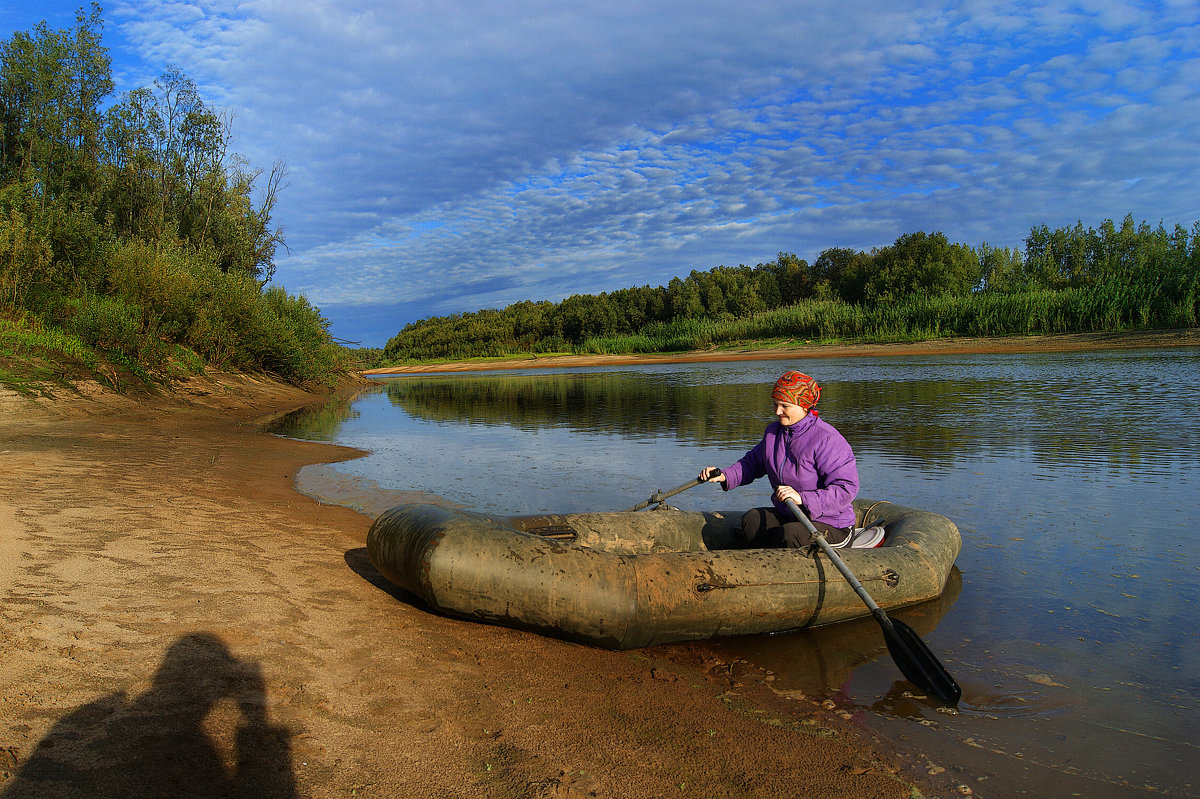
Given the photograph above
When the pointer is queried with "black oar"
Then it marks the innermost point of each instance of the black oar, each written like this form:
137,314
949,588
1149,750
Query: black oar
911,654
661,496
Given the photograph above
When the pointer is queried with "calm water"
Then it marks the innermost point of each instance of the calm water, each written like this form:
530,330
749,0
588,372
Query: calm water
1074,477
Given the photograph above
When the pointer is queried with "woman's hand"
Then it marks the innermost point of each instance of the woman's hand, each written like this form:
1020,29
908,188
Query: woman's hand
784,493
711,474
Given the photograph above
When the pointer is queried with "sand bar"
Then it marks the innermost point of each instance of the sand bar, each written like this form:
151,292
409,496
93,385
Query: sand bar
1185,337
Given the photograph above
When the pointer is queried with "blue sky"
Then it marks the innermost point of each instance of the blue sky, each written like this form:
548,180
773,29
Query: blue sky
449,156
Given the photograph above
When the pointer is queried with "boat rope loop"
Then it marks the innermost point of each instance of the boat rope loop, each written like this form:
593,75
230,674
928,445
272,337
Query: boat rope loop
889,576
867,512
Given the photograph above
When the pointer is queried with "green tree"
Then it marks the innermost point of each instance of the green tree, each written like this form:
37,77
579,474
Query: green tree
135,229
173,176
840,272
1058,259
684,299
918,263
51,84
711,294
1000,268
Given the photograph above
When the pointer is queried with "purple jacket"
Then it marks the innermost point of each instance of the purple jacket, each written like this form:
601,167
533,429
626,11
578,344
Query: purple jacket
812,457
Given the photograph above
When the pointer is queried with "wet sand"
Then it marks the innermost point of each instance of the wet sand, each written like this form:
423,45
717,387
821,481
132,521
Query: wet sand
177,620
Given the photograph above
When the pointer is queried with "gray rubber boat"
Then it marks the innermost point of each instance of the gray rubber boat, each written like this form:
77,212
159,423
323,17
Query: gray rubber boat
625,580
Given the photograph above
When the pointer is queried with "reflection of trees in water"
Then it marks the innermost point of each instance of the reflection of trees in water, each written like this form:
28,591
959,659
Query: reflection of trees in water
919,420
319,422
1019,410
158,744
625,403
1056,420
635,405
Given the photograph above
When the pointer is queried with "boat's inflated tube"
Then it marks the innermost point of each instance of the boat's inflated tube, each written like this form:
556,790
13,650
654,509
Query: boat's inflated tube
624,580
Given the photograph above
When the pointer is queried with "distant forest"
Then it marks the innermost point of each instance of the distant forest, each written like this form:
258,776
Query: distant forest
1073,279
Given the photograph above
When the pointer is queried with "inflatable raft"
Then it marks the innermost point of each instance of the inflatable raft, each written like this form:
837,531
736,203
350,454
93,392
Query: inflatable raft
625,580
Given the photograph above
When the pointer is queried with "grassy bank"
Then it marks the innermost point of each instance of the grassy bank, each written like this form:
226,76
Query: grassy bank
801,350
122,345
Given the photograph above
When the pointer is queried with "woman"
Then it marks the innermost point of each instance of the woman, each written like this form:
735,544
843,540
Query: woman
807,461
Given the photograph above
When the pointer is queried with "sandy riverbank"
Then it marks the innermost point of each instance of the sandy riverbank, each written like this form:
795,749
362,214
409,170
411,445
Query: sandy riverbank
178,621
1189,337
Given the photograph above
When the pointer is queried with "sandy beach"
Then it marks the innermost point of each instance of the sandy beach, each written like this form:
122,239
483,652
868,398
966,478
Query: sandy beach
177,620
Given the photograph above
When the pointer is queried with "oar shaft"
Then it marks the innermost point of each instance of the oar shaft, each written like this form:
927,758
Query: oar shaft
660,496
909,652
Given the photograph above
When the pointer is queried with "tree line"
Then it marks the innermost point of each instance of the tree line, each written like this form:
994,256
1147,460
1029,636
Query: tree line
1069,279
132,236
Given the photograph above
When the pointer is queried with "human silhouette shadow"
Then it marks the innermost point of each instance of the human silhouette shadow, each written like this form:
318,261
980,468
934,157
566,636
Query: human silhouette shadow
200,730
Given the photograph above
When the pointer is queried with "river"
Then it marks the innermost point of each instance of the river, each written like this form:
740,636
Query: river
1070,621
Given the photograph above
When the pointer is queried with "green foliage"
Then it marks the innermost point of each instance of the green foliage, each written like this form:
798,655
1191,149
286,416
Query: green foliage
51,83
26,335
26,253
918,264
135,233
921,286
361,357
294,339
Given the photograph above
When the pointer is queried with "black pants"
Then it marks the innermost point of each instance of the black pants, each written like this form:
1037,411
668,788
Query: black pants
762,528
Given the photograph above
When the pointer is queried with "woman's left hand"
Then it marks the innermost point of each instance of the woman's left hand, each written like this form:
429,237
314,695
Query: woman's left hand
784,493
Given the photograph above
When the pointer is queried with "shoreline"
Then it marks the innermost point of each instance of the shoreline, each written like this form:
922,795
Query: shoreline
1070,342
176,613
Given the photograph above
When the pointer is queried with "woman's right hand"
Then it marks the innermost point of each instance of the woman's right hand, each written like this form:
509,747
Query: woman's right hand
711,474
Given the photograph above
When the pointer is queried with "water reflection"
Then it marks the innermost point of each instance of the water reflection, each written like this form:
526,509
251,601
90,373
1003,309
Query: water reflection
909,412
629,404
320,422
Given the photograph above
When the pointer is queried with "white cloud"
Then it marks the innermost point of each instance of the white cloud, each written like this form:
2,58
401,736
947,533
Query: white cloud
446,156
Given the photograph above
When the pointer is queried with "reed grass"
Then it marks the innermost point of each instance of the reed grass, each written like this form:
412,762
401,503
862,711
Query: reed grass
1110,306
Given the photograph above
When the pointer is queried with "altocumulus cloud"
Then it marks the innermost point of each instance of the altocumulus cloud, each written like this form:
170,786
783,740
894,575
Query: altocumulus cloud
449,156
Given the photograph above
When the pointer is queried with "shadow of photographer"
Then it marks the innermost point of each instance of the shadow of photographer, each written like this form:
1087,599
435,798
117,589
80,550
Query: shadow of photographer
200,730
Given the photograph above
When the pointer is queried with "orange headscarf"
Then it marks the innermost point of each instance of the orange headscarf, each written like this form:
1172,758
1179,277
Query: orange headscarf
798,389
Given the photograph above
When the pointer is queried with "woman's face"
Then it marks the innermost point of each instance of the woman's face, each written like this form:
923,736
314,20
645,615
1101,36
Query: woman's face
788,414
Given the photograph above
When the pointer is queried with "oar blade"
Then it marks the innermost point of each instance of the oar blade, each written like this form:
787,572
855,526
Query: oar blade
918,664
